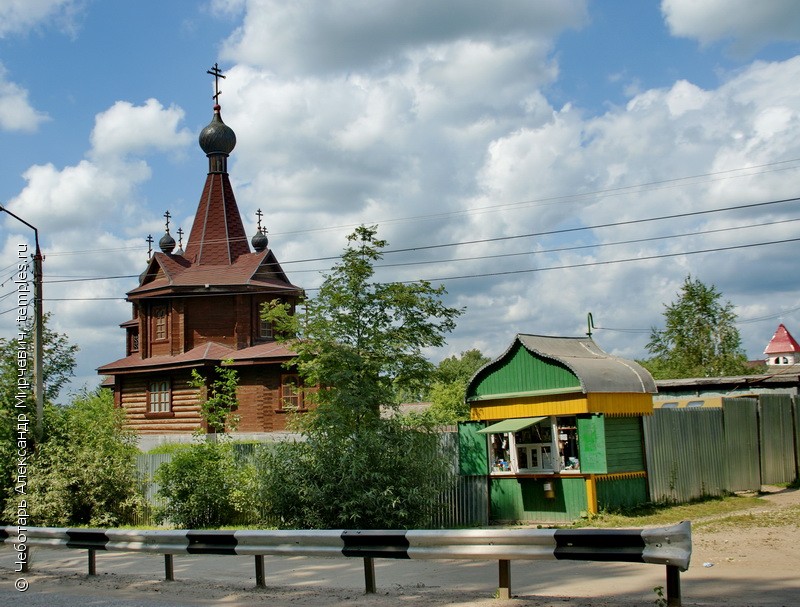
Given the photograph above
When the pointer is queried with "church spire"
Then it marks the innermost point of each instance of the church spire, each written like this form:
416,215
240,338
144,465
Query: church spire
217,236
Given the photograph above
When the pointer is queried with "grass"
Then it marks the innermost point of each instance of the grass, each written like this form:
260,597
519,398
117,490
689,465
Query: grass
716,509
774,517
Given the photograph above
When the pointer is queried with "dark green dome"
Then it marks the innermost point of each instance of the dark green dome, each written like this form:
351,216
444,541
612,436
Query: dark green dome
217,137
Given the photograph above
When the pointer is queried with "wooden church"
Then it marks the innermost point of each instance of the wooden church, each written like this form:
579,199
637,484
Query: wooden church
198,307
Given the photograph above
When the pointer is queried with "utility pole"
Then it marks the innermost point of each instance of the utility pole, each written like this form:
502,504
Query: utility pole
38,328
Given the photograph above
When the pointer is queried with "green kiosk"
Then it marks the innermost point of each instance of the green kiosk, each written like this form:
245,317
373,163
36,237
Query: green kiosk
556,427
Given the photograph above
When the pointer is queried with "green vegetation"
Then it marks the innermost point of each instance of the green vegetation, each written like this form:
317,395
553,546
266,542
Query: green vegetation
361,342
59,366
449,387
84,472
206,486
708,514
218,397
379,475
700,338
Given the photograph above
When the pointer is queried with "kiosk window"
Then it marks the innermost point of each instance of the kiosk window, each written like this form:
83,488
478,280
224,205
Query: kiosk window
529,449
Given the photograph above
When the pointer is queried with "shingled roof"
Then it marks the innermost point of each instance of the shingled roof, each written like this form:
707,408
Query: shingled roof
208,353
167,274
595,370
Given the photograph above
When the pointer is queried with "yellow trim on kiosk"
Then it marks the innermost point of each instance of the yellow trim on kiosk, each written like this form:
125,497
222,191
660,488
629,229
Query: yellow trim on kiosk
562,404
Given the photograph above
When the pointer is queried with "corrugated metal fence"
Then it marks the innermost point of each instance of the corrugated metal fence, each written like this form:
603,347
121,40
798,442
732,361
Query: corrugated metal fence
464,504
692,453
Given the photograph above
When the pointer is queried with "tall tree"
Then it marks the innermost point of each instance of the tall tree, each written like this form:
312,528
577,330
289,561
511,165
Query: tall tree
59,367
360,341
700,338
218,397
58,361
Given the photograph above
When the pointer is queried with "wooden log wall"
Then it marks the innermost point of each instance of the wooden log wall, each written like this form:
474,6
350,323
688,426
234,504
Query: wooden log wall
185,415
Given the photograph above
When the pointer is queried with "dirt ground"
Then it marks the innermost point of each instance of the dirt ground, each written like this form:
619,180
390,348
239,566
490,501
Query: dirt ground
734,567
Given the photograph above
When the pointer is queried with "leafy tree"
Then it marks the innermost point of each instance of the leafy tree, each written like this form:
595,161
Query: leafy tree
382,475
700,338
59,366
205,486
361,342
58,361
84,472
218,397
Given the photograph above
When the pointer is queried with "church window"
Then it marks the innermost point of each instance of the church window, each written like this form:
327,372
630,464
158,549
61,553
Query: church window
160,397
160,323
265,329
292,397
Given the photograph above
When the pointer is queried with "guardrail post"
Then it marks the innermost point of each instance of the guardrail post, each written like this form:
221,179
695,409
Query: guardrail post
504,586
92,562
169,569
369,574
25,556
260,582
673,586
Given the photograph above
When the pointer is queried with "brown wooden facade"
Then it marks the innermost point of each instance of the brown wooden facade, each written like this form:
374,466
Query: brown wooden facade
198,308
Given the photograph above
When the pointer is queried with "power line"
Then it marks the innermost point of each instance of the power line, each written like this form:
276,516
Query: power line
502,255
522,271
608,262
748,171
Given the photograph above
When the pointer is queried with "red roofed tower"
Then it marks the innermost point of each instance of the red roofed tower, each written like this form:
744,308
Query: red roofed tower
195,309
782,349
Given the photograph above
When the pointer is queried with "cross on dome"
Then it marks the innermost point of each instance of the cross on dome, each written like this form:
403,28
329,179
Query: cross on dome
217,73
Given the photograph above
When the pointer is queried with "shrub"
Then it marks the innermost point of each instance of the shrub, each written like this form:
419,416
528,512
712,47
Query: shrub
84,472
382,475
206,486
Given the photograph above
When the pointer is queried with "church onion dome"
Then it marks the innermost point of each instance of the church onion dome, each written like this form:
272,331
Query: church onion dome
217,137
167,243
260,241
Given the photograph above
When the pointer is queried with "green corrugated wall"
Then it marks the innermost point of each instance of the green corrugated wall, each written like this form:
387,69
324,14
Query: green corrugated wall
740,419
624,444
777,438
523,499
473,457
614,494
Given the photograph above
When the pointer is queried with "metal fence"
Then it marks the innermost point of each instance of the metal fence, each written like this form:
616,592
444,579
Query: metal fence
693,453
463,504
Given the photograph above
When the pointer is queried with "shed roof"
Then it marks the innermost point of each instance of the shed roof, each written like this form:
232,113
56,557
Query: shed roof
595,370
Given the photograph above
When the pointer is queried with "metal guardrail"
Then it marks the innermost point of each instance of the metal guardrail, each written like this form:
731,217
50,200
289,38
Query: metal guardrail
667,546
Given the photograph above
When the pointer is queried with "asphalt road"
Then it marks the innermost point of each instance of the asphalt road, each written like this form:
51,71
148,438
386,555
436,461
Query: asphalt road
59,579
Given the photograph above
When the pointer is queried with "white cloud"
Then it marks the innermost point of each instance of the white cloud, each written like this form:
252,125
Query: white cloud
18,114
751,120
748,24
128,129
339,36
19,16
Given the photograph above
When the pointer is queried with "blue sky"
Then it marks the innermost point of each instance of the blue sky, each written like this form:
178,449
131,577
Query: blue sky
441,122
